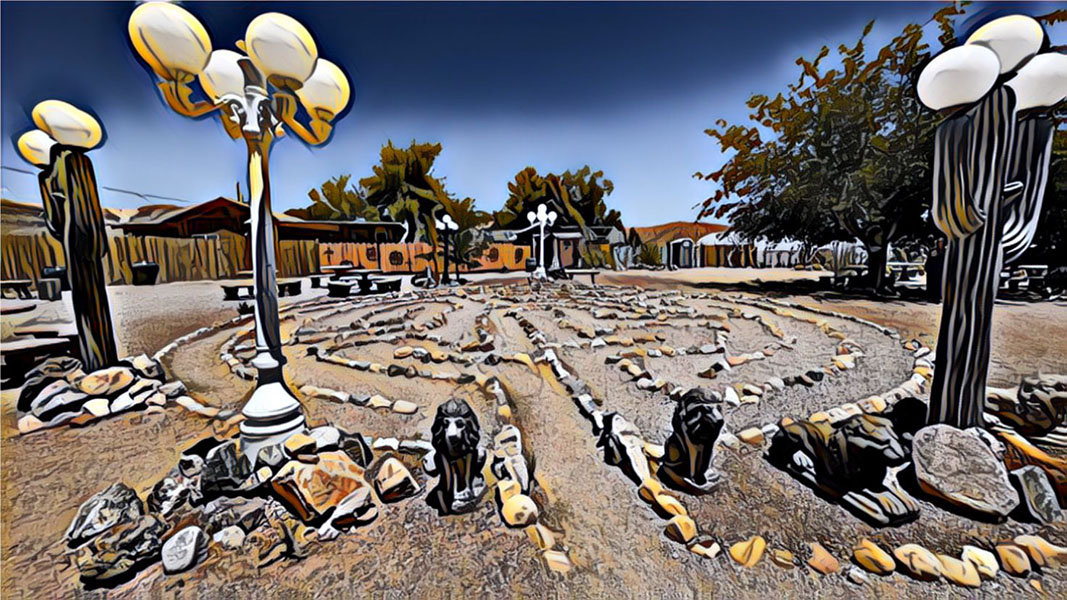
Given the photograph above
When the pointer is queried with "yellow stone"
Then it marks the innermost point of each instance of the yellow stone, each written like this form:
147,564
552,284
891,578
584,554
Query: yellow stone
650,488
983,560
960,572
519,511
822,561
872,557
1013,560
752,436
542,536
1042,553
681,529
29,424
654,451
918,562
748,552
557,561
506,489
669,505
706,549
378,401
783,558
819,416
504,411
403,352
299,443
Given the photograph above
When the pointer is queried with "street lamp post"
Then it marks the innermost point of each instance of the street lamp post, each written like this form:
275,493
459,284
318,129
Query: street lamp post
447,227
258,95
990,167
542,217
73,216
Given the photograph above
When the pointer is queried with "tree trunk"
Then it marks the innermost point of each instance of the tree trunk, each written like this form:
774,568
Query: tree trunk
877,258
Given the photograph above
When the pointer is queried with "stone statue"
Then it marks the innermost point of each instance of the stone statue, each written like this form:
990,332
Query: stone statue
686,462
457,458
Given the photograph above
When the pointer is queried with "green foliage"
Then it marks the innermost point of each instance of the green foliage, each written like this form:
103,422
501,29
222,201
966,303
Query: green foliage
595,257
650,255
336,202
470,241
578,197
404,188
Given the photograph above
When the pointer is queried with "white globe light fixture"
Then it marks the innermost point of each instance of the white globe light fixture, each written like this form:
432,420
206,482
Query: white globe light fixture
542,217
1014,39
958,76
36,147
67,124
1041,82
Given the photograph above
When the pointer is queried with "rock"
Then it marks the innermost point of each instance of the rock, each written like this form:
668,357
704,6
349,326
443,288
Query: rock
959,468
783,558
173,389
706,549
230,538
681,529
667,506
225,469
1013,559
325,438
46,373
1020,453
405,408
146,367
355,509
872,557
57,399
1037,407
519,511
857,576
173,491
311,490
822,561
29,424
97,407
116,505
918,562
394,482
752,436
357,449
107,382
378,401
983,560
121,550
1043,554
960,572
748,552
541,536
557,561
1038,498
184,550
299,443
403,352
273,456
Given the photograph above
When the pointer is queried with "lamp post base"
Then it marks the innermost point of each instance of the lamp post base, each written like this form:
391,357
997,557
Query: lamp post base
539,273
272,414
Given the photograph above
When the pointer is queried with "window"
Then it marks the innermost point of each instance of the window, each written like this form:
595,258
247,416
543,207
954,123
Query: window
396,258
519,254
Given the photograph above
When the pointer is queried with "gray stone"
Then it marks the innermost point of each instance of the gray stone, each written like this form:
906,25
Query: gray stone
230,538
117,504
56,399
146,367
173,389
121,550
43,375
272,456
1038,498
958,467
184,550
225,468
326,438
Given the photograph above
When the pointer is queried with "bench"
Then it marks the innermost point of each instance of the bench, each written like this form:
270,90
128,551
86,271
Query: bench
22,354
339,289
289,287
388,285
316,280
245,289
16,288
592,273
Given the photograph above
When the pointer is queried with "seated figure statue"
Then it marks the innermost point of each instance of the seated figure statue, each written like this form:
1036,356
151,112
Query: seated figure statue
457,458
688,452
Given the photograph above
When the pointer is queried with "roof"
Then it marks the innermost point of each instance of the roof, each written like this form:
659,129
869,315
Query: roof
667,232
160,214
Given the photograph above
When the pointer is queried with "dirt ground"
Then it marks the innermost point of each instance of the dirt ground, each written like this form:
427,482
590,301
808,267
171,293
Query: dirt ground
615,542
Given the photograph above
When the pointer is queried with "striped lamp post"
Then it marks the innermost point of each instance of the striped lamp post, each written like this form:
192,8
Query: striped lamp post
990,167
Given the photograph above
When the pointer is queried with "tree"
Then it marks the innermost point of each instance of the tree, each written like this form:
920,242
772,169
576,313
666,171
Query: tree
844,153
404,188
337,202
469,242
578,197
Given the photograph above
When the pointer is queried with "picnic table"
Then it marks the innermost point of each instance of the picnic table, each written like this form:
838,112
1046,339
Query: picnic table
592,273
244,289
16,288
316,280
22,354
339,271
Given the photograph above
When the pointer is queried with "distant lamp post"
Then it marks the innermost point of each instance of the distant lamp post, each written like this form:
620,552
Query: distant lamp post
542,217
257,94
447,227
74,217
991,163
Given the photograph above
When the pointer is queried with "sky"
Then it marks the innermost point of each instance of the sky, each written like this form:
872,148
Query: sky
627,88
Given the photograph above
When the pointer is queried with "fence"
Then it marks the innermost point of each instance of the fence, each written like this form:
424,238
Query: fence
223,255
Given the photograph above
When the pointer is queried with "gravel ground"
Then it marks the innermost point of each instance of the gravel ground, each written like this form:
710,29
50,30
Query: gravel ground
614,540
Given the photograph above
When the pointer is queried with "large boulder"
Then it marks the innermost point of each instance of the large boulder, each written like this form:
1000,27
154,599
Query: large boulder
118,554
184,550
107,382
116,505
313,490
959,468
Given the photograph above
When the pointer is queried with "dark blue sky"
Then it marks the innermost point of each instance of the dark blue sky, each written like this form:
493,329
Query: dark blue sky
627,88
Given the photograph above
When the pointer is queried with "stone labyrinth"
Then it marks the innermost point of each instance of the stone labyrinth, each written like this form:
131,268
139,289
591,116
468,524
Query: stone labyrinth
575,390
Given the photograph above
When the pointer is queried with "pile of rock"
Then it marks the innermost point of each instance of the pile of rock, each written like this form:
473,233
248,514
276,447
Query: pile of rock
58,392
316,483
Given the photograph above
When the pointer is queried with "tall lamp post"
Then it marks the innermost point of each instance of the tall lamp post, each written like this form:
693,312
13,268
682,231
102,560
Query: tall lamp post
258,94
542,217
73,216
447,227
991,164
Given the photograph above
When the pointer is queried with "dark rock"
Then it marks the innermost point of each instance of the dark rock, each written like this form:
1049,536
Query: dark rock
273,456
395,370
116,505
815,375
355,446
43,375
118,554
623,447
184,550
1038,498
225,469
1036,408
